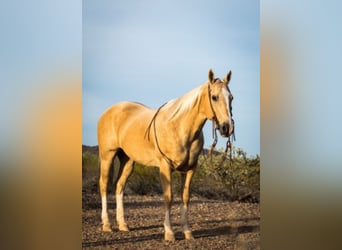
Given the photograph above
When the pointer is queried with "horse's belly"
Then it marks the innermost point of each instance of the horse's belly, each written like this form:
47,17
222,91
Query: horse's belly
139,150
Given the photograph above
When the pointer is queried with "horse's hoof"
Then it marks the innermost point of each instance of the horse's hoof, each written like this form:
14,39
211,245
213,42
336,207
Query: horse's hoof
107,228
188,236
123,228
169,236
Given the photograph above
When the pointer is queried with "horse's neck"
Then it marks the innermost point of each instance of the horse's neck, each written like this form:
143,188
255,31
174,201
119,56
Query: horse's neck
188,121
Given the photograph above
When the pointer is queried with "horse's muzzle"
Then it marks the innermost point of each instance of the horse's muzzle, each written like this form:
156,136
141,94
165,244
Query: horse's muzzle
225,129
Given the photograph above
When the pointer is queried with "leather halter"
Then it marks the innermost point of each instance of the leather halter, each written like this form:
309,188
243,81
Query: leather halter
214,128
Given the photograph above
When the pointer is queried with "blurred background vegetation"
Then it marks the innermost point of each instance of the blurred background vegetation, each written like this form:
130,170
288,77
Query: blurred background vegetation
238,180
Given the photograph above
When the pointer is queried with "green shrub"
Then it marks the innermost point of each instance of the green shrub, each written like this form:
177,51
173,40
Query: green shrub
214,178
89,163
239,179
144,180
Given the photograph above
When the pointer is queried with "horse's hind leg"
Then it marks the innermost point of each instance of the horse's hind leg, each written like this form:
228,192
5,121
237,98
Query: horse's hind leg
105,165
126,168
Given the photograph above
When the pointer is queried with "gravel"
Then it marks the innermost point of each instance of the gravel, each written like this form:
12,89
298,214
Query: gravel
216,224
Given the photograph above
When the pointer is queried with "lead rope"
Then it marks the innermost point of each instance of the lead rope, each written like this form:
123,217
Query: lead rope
147,133
214,142
229,146
153,121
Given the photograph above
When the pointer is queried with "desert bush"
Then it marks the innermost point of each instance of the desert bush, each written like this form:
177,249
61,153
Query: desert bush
89,163
144,180
238,180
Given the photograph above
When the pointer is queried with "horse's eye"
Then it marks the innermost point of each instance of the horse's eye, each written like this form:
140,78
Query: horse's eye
214,97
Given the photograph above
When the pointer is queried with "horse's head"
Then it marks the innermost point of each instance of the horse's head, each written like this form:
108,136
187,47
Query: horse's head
220,100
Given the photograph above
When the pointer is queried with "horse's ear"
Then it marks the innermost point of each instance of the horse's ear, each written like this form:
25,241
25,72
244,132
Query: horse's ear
211,76
228,76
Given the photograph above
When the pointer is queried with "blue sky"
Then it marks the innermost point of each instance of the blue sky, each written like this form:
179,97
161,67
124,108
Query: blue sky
154,51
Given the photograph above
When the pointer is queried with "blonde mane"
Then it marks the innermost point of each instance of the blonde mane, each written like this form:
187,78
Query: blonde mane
184,103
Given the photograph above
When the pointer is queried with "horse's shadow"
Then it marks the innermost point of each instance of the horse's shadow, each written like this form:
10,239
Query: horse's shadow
92,244
224,230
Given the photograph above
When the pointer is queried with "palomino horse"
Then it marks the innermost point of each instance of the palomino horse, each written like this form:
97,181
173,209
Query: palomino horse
170,138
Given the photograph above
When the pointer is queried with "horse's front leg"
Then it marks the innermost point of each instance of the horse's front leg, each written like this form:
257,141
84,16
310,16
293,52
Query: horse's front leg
186,181
165,179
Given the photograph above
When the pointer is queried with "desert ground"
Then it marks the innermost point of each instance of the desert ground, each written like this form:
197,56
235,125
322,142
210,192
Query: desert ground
217,220
216,224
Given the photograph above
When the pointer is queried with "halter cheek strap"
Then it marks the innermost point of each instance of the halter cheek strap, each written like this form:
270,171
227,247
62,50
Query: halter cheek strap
215,122
214,118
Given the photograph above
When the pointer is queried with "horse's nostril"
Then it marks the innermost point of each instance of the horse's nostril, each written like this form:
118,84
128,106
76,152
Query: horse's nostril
225,128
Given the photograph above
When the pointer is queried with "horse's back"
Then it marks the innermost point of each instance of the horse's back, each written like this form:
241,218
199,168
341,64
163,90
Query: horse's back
119,120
